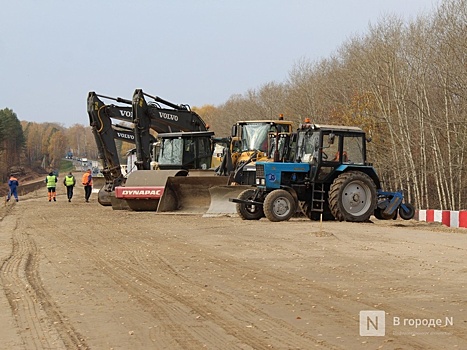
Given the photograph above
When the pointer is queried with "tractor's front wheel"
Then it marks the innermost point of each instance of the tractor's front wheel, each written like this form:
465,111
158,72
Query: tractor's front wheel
352,197
279,205
249,211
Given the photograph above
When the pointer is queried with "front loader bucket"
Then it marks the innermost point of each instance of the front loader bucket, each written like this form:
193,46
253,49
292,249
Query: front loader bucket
220,204
190,194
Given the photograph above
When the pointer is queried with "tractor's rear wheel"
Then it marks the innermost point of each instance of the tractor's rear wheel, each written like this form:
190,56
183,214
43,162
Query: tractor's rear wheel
409,214
249,211
279,205
352,197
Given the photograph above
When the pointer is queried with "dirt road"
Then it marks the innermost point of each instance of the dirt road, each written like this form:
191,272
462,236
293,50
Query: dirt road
81,276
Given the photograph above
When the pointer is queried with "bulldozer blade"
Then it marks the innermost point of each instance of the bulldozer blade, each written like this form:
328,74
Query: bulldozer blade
188,195
220,204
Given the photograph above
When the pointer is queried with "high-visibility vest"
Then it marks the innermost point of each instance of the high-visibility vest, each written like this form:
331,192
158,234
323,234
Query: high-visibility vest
87,177
51,180
69,180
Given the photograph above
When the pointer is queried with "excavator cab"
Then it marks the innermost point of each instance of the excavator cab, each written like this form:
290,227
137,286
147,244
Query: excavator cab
185,150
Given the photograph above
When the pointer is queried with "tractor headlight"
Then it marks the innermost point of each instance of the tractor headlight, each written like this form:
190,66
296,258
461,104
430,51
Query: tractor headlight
258,181
263,182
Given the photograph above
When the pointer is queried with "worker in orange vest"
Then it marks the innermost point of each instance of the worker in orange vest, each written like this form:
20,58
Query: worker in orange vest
87,183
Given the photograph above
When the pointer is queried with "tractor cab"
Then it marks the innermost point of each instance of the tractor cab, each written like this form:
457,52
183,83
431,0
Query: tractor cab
328,148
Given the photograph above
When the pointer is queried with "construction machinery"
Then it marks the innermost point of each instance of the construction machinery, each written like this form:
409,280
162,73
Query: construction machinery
185,156
184,146
105,133
256,140
330,178
251,141
176,172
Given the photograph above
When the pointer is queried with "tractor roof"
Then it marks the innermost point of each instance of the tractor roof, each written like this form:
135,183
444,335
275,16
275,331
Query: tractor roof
268,121
332,127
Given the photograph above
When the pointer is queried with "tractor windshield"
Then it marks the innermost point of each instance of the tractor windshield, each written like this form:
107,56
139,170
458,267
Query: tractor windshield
283,142
308,146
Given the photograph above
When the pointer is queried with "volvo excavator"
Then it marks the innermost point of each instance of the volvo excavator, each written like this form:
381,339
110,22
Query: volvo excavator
184,148
105,133
177,173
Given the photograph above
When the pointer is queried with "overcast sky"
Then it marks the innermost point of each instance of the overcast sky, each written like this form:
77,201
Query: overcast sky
195,52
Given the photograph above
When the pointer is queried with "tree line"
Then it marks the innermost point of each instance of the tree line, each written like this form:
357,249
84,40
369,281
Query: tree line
39,146
403,82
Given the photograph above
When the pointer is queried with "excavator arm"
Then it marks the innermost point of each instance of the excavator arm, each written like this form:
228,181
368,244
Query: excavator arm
105,133
152,116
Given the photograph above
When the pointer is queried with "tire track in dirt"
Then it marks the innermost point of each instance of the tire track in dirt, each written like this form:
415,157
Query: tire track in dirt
38,318
285,284
175,307
339,307
200,297
236,312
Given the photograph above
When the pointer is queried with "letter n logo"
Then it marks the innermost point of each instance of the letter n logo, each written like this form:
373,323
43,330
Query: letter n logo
372,323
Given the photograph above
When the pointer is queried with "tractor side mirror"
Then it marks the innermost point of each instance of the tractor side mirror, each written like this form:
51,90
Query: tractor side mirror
331,138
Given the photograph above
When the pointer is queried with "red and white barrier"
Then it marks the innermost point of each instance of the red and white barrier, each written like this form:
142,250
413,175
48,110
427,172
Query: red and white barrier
450,218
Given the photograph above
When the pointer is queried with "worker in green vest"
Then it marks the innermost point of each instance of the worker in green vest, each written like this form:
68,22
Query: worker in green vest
69,181
51,181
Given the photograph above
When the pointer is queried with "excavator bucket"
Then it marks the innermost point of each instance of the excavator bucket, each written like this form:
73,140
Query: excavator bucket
103,197
190,194
220,204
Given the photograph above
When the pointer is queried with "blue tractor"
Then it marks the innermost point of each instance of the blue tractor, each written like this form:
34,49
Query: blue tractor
328,177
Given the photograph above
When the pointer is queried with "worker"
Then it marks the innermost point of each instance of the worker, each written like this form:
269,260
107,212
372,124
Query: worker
87,183
69,181
337,156
51,181
12,184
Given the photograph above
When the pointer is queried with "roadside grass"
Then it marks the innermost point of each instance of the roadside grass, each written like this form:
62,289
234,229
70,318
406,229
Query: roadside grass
66,166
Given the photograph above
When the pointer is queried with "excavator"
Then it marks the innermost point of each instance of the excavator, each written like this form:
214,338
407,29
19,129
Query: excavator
105,133
184,146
